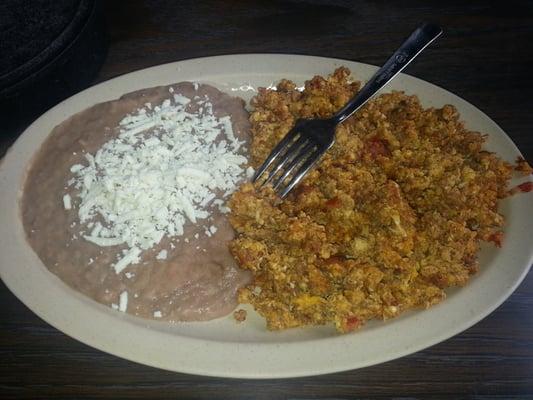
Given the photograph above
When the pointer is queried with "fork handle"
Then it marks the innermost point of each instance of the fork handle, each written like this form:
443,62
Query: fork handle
418,41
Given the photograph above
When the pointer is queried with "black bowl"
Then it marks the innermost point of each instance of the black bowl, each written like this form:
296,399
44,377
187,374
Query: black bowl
50,50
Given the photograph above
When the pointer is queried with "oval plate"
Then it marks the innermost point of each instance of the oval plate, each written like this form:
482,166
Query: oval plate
222,347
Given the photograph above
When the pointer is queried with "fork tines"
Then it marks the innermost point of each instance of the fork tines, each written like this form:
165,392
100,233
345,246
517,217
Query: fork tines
288,162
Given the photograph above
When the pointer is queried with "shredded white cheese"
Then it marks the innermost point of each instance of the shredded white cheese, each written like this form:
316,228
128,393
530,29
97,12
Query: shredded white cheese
250,172
131,257
123,301
162,255
164,168
67,202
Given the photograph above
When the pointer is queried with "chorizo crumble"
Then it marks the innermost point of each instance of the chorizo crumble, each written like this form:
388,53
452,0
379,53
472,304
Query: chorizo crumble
392,215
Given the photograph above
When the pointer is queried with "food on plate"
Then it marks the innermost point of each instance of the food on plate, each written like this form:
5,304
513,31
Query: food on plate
239,315
392,215
125,201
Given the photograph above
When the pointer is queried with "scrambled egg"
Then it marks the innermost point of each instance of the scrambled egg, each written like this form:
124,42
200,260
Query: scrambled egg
392,215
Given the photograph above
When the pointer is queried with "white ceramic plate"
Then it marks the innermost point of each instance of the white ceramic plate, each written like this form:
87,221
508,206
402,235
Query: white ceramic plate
223,347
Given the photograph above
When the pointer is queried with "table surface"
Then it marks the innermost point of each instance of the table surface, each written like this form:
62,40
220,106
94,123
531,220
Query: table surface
484,56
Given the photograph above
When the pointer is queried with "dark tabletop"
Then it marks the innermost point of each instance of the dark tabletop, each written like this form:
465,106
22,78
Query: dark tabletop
485,56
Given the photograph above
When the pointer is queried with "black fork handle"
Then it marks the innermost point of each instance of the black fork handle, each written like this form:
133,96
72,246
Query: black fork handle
418,41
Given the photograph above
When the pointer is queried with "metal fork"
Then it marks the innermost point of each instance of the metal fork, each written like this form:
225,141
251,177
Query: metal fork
309,139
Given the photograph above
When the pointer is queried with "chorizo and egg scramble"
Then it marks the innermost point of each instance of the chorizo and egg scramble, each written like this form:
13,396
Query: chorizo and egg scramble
392,216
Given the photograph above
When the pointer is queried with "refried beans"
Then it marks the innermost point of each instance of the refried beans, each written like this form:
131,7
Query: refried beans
198,279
